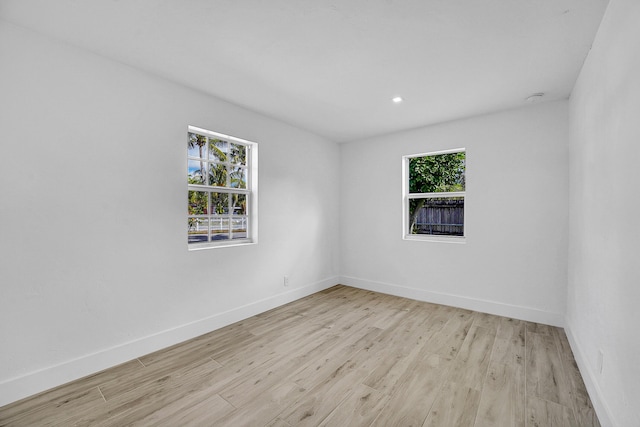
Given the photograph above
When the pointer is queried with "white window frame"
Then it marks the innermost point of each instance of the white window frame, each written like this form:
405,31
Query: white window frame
406,196
251,193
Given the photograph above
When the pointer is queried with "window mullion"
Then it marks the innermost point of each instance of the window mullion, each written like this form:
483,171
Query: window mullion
209,217
436,195
229,214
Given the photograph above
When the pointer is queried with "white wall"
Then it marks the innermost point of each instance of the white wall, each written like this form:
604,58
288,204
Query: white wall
514,262
604,272
94,267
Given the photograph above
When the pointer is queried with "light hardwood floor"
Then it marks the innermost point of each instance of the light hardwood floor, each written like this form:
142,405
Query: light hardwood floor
341,357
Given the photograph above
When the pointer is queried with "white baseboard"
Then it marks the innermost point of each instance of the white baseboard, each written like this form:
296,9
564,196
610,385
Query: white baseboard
35,382
485,306
589,378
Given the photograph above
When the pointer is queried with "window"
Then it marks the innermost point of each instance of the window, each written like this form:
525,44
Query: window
434,192
222,189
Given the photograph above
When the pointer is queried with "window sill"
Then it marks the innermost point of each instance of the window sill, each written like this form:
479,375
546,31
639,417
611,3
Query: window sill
233,243
431,238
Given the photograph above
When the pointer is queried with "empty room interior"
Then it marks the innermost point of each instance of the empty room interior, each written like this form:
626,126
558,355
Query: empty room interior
292,275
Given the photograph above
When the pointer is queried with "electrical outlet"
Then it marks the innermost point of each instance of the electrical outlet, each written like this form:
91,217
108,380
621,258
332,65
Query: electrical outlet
600,361
286,280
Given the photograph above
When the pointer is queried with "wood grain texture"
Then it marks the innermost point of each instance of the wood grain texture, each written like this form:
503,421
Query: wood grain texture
544,370
360,408
502,403
585,414
542,413
343,356
470,366
456,405
420,385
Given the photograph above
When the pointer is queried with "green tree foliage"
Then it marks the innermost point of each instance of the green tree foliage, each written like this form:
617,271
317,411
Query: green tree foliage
437,174
441,173
197,204
199,141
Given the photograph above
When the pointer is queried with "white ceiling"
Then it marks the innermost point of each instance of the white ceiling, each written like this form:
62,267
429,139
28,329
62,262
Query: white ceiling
332,66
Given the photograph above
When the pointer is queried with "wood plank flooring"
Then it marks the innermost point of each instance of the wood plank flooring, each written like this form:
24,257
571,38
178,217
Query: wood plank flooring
341,357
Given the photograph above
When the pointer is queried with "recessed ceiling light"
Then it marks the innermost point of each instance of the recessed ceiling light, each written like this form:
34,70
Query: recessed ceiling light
397,99
535,97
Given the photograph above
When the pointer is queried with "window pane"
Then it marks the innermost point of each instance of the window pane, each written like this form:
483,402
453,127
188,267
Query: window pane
197,172
238,204
197,146
437,174
198,230
238,154
218,175
218,149
238,177
197,203
443,216
239,227
219,190
219,203
220,228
